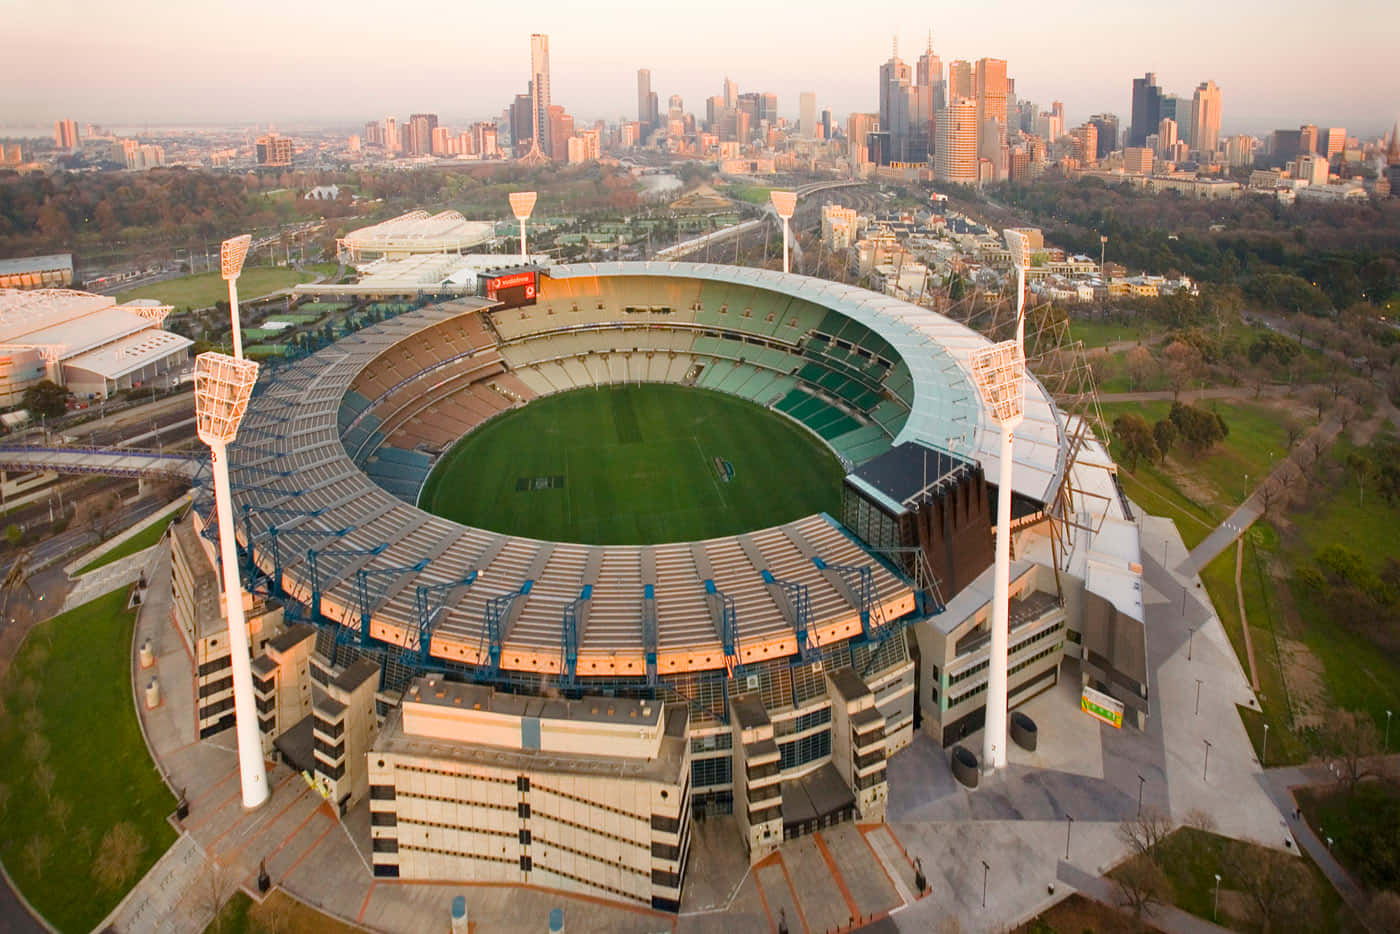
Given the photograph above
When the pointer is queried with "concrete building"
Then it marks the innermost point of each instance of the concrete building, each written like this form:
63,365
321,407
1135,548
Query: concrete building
1239,151
1205,118
1137,160
807,115
1334,141
990,77
896,80
1147,109
588,796
1107,127
645,116
1086,143
343,728
65,135
955,155
273,150
540,91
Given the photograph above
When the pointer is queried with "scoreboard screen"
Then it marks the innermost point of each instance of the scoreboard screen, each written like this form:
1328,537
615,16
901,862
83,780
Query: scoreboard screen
513,289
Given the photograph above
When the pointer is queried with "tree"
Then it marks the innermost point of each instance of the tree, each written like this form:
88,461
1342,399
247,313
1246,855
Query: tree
1198,428
1135,436
1140,366
118,856
1279,886
1383,914
1142,883
1183,362
215,886
1319,398
1164,433
14,535
45,398
1354,741
36,851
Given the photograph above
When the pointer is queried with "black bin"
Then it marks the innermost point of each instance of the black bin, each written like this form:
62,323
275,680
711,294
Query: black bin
965,768
1023,731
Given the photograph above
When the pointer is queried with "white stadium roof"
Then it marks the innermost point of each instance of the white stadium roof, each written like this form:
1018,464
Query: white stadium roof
72,322
419,232
129,354
948,413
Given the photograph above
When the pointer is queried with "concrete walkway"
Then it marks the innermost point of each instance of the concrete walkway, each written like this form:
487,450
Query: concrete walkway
1168,918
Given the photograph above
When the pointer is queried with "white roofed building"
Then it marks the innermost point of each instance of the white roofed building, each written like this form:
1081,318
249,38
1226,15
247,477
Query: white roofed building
86,342
412,233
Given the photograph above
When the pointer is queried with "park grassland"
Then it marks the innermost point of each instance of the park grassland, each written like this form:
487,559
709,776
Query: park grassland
204,289
139,542
69,723
634,465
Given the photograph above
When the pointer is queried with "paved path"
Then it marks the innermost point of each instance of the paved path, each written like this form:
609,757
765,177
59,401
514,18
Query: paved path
1271,390
1168,918
1244,617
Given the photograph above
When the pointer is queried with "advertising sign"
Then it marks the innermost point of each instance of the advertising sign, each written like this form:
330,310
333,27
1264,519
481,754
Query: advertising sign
1102,707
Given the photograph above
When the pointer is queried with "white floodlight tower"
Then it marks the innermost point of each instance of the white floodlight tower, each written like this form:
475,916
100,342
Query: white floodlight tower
784,202
232,252
1000,374
522,203
222,387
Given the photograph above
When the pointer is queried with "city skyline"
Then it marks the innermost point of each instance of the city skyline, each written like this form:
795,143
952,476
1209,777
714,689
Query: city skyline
437,59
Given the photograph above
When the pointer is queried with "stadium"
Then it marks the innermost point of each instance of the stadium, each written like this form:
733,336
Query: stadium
557,710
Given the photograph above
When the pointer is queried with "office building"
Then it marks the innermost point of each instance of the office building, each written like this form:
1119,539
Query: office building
1166,138
1308,139
896,80
858,129
1086,143
1239,151
1107,127
65,134
644,101
1334,141
1147,109
1137,160
420,133
960,80
274,150
990,78
807,115
1205,118
955,152
932,94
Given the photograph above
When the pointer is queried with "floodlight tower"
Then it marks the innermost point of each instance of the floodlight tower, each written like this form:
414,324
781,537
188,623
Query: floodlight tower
1000,374
522,203
232,252
222,387
784,202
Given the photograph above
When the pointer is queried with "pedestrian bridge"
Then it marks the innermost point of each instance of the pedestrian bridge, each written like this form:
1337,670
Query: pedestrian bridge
112,462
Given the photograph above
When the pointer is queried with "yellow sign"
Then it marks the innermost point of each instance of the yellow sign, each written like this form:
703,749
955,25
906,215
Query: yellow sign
1102,707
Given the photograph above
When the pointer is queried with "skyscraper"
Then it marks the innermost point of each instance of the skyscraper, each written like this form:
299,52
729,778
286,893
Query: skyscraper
731,93
807,113
955,151
1205,118
960,80
932,93
1334,141
65,134
1107,125
420,133
895,82
644,99
391,134
1307,139
990,78
539,89
1147,109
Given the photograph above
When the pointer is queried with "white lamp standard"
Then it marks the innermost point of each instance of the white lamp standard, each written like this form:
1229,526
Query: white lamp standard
999,372
522,203
785,203
232,252
222,387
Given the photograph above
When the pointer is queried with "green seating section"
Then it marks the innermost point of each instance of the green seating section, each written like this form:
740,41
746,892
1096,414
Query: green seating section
817,414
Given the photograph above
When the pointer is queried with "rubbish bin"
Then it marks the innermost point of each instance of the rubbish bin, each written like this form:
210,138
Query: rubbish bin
965,766
1023,731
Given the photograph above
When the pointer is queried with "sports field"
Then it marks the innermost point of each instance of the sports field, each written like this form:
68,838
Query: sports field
634,465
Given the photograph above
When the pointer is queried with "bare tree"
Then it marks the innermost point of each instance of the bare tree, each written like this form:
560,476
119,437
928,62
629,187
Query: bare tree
44,778
59,811
1354,741
216,885
36,853
1141,883
1383,914
1279,886
1140,366
1183,362
1144,832
1319,398
118,856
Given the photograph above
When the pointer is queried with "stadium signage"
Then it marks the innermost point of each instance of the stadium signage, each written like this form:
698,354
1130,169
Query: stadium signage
514,280
1102,707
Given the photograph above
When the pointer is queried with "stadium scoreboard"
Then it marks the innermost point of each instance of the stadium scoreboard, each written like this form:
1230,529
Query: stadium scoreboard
512,287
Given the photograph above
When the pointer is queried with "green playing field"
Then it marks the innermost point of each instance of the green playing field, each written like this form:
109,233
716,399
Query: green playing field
634,465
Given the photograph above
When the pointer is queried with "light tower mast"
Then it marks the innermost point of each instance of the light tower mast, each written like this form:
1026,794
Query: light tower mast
785,203
522,204
1000,373
232,252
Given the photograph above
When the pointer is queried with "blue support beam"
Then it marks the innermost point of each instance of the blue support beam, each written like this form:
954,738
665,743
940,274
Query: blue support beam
362,591
298,532
650,631
800,602
430,600
497,609
862,582
314,558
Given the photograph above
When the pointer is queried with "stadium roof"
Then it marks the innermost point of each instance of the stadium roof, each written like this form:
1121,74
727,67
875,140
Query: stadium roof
73,321
948,413
117,358
420,232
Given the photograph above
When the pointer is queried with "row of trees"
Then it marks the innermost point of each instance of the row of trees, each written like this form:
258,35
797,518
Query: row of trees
1197,429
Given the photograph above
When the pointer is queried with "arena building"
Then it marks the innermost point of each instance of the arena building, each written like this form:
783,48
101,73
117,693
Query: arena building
88,343
558,713
414,233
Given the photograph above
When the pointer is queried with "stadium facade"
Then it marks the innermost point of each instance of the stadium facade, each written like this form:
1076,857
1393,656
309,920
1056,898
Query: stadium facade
558,714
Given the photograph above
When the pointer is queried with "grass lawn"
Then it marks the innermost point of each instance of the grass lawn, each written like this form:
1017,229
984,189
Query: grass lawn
1191,858
1077,914
1364,827
69,717
1100,333
138,542
206,288
279,912
754,194
634,465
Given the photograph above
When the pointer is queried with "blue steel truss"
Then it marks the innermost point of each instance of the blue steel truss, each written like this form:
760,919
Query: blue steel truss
298,532
366,601
568,661
650,631
862,581
314,558
430,601
800,599
496,609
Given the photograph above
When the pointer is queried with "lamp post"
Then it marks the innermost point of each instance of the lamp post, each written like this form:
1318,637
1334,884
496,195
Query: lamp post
1190,640
232,252
522,204
222,387
1206,764
1141,783
999,372
1069,828
1199,682
1215,905
1264,748
985,869
1386,746
785,203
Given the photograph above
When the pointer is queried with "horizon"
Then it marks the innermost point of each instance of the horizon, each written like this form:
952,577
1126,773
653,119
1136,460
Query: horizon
407,62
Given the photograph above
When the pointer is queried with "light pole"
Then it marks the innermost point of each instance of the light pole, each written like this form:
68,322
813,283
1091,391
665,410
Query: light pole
1198,696
1069,827
999,372
522,203
232,252
1206,764
1141,783
1215,905
1264,749
1386,746
222,387
985,869
1191,640
785,203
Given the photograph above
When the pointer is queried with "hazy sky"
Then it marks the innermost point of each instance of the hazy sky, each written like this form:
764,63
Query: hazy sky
258,61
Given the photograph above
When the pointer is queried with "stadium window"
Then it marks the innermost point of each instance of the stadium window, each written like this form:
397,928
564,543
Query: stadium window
748,312
770,317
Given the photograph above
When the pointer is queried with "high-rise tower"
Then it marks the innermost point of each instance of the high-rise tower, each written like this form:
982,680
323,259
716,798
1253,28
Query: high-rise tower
1147,109
990,77
895,82
955,150
644,99
539,90
932,92
1205,118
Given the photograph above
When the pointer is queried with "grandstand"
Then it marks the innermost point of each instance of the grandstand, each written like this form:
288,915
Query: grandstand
411,234
770,636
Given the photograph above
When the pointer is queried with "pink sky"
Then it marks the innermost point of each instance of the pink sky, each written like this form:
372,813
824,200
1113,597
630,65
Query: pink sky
155,61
